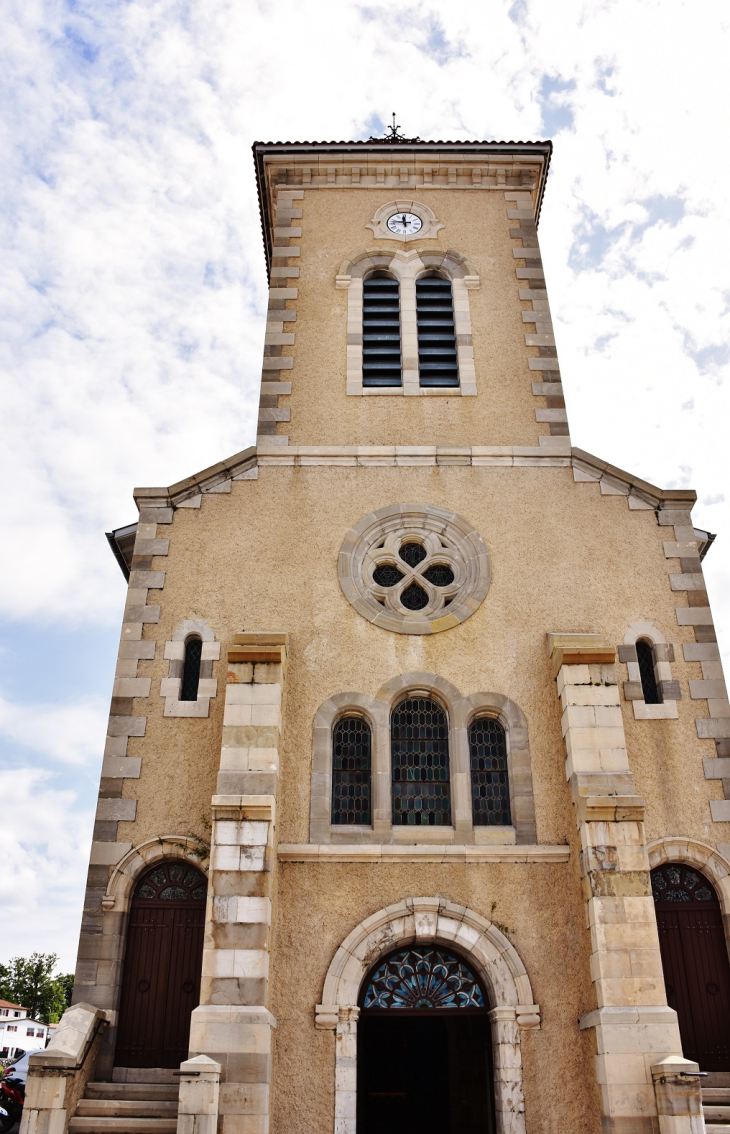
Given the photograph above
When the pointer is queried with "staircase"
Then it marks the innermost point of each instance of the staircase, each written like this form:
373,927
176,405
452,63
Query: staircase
716,1102
129,1107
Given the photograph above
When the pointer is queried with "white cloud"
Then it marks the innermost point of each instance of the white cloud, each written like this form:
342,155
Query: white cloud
45,844
71,734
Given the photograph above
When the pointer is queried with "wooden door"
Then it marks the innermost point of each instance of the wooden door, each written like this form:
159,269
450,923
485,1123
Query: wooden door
695,962
161,983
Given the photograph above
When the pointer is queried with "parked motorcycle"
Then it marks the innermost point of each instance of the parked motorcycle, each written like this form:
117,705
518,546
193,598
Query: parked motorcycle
12,1098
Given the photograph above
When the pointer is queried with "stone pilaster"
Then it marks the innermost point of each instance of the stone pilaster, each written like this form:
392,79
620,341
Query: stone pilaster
233,1024
635,1028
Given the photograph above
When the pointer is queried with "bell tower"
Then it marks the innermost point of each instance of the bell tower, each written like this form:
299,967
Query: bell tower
407,301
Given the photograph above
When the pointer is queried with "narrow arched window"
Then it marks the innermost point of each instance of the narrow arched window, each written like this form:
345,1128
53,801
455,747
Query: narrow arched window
489,778
419,748
191,670
381,355
645,656
437,361
351,765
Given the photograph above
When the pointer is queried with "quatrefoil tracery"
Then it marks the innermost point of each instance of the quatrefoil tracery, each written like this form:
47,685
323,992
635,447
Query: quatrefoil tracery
404,574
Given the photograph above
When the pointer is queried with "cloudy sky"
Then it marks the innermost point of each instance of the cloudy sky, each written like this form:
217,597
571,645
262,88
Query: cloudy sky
132,288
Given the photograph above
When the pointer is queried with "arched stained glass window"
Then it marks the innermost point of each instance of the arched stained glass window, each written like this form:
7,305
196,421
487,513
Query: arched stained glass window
645,656
419,747
425,977
676,883
489,779
351,764
381,356
191,670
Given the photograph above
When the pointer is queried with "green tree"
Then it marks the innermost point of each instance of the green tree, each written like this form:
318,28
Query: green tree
30,981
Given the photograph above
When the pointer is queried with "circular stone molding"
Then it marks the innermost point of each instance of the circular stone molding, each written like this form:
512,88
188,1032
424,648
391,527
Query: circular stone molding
414,568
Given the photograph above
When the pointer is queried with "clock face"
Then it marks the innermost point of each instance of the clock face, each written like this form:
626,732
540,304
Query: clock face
404,224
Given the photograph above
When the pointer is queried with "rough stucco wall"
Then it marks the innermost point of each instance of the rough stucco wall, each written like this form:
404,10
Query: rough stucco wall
476,226
564,557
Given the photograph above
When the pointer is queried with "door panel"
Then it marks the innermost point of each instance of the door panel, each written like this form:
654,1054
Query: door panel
695,962
161,982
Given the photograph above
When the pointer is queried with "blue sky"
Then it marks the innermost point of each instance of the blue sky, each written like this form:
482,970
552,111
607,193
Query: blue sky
132,292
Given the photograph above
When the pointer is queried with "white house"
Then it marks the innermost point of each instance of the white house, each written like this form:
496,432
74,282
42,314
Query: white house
19,1033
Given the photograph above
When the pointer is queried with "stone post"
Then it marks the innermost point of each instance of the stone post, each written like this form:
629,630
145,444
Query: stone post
634,1026
346,1070
678,1096
233,1024
197,1111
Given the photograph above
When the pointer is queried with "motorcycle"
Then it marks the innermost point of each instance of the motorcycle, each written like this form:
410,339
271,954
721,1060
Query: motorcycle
12,1098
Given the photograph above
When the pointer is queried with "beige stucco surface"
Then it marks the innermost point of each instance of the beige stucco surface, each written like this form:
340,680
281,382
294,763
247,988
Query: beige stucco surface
564,557
476,225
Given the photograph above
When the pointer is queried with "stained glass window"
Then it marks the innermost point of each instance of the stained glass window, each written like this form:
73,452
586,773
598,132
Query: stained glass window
489,780
646,668
675,882
351,759
191,670
412,554
414,597
419,739
423,976
172,881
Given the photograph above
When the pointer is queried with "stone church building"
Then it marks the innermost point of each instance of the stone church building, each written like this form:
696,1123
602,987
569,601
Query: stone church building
412,814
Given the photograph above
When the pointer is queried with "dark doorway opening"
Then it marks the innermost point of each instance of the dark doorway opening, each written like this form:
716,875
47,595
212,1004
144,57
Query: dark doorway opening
695,962
425,1073
161,982
424,1053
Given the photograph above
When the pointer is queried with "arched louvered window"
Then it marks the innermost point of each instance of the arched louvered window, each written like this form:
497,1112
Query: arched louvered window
489,779
351,764
381,358
419,749
645,656
191,670
437,361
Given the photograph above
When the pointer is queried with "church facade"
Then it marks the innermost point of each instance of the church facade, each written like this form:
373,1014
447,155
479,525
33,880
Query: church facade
412,812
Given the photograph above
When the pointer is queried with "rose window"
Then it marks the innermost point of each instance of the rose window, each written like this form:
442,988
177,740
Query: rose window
414,569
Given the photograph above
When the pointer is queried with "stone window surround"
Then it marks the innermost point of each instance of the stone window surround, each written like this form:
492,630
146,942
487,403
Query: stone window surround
495,959
406,267
175,654
460,712
414,520
663,653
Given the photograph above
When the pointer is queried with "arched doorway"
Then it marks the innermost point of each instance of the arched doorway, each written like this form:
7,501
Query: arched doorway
161,982
695,962
424,1063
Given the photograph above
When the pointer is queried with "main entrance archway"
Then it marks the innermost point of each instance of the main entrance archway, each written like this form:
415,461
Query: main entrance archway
487,953
695,962
161,983
424,1061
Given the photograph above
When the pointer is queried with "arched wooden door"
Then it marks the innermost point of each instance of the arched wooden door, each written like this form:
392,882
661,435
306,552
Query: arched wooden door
161,983
424,1056
695,962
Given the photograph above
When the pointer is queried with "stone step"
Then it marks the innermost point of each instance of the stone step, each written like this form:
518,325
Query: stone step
720,1096
99,1125
143,1092
145,1075
716,1127
131,1108
716,1113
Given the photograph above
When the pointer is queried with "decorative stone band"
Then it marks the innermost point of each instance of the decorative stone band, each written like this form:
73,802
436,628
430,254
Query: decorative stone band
281,316
387,852
532,291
